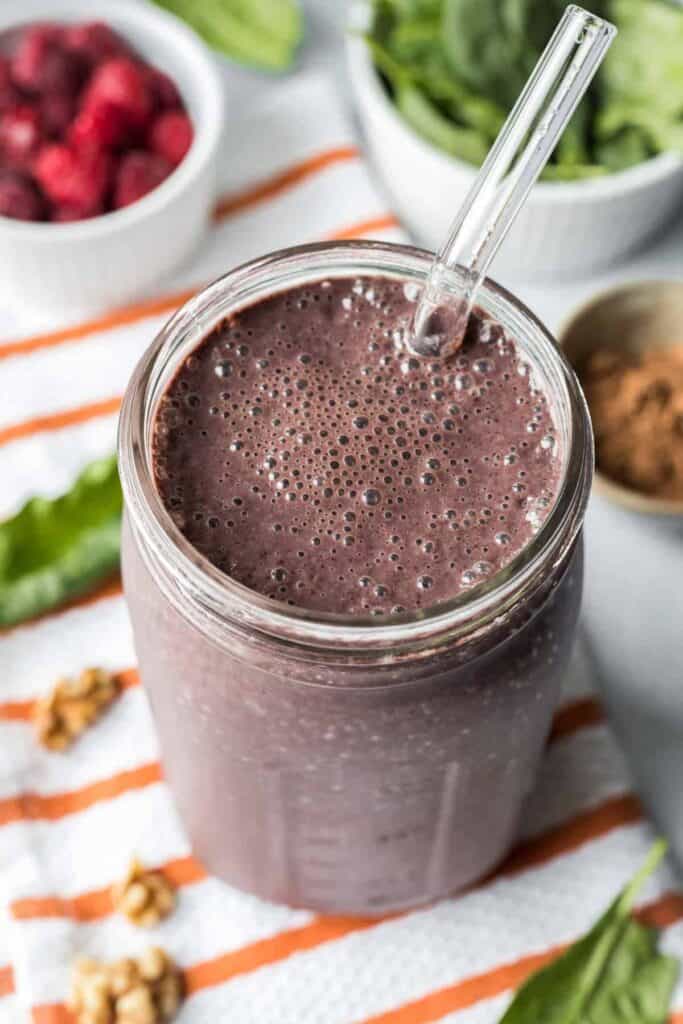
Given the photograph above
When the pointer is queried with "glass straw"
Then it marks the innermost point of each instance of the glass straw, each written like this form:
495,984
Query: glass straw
514,162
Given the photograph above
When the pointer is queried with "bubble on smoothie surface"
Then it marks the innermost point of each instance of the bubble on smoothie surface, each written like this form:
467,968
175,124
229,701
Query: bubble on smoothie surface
311,458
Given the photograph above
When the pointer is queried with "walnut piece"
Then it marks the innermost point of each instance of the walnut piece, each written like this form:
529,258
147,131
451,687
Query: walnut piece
145,897
73,706
146,990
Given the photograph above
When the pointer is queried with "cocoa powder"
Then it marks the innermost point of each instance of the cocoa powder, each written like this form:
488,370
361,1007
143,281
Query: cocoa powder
636,403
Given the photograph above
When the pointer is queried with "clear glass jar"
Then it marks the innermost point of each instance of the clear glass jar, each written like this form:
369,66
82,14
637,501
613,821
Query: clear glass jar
330,761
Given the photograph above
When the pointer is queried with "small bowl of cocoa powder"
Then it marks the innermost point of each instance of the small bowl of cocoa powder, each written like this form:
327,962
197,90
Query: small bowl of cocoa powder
626,346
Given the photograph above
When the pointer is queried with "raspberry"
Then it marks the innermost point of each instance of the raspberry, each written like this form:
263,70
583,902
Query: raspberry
56,112
171,136
94,41
9,94
19,198
121,82
165,95
75,179
139,173
67,214
62,73
74,101
20,135
98,127
41,65
5,74
35,43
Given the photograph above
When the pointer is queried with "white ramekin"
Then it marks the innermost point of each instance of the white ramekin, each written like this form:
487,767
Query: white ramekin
88,266
564,228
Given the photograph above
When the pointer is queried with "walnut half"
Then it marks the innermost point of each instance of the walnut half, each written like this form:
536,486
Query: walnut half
72,706
145,897
146,990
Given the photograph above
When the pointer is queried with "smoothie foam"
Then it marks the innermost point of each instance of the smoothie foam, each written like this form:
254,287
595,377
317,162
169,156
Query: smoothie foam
306,454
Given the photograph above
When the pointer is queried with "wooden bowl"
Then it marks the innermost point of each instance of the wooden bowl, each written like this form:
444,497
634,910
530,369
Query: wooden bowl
632,317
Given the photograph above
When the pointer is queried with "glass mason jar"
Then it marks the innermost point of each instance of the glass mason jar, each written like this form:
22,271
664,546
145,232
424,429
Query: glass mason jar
326,760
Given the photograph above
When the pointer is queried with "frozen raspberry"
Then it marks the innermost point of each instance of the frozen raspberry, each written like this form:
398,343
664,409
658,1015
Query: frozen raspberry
19,198
75,179
171,136
42,65
67,214
9,94
164,92
5,74
62,73
100,126
56,112
33,47
121,82
94,42
20,135
139,172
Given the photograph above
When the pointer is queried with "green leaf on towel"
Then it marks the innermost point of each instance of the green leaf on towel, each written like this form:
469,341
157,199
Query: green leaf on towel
613,975
55,550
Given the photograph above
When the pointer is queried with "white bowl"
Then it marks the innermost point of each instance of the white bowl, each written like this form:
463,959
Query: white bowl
563,229
85,267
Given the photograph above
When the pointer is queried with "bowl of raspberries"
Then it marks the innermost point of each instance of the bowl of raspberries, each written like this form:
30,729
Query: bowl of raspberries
110,127
86,125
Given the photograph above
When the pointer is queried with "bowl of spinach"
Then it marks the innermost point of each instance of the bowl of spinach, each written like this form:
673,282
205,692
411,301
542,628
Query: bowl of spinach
435,79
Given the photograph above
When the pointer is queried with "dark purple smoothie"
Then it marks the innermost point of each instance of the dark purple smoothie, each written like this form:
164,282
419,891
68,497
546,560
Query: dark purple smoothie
308,457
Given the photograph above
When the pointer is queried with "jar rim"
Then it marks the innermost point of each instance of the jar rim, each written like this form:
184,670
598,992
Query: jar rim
192,578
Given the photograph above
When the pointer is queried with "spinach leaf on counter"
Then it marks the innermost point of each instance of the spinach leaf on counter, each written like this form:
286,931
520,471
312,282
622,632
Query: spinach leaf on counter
457,66
263,33
54,550
613,975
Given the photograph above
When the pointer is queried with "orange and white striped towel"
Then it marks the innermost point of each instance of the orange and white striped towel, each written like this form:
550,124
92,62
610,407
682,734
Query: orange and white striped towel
70,823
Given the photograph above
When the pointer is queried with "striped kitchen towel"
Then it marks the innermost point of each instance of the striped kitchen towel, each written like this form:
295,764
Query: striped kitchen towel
69,824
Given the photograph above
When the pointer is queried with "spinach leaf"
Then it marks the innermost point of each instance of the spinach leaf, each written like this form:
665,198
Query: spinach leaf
425,118
642,76
464,62
461,104
640,982
641,85
613,975
572,172
625,149
53,550
572,149
423,115
264,33
413,9
414,39
479,51
493,45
